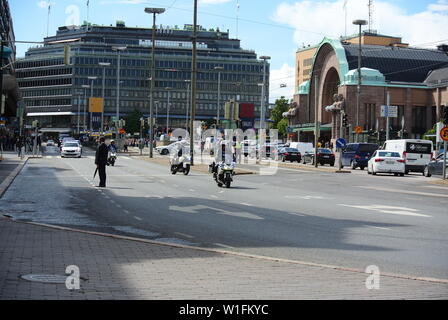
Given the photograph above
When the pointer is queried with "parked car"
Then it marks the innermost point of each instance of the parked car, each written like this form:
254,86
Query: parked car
356,155
50,143
324,156
165,150
301,146
416,152
386,162
71,149
435,166
289,154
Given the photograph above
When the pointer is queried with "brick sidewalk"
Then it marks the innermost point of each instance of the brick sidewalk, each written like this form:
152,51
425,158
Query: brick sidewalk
118,268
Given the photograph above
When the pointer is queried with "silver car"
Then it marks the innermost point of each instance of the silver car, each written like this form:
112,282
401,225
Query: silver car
435,166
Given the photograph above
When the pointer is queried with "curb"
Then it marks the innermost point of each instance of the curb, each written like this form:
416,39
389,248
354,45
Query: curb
232,253
10,178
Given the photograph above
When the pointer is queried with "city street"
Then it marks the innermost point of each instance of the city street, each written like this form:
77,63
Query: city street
347,220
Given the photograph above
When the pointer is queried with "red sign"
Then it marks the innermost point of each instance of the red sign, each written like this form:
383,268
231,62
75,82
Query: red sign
247,111
444,134
122,131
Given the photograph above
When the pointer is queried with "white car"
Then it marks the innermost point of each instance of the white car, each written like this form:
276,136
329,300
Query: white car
50,143
165,150
383,161
71,149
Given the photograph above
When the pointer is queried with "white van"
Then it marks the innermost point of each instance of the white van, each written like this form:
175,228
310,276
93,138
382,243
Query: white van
303,147
417,153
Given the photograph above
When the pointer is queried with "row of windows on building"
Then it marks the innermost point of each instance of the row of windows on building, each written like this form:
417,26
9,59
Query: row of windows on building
125,105
419,116
23,64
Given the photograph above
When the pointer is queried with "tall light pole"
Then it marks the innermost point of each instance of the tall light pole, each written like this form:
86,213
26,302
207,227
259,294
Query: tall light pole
118,49
154,12
79,93
168,109
104,65
188,103
91,96
263,88
85,87
219,69
193,80
359,23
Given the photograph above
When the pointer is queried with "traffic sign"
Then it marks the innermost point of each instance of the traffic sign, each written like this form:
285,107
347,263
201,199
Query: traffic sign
444,134
358,129
389,111
341,143
122,131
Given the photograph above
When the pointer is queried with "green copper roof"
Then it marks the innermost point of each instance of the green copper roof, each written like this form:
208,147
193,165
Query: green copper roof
369,77
304,88
340,55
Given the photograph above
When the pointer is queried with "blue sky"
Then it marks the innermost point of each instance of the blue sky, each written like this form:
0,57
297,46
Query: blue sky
274,28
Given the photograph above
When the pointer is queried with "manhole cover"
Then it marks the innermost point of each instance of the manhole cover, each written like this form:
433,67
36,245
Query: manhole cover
44,278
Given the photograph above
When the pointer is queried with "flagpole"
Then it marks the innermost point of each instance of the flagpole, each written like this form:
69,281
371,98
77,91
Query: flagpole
88,11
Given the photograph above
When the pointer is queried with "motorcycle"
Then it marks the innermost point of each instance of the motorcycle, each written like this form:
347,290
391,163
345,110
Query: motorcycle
180,163
223,173
112,159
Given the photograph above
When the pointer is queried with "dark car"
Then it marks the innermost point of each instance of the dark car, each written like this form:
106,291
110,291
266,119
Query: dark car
289,154
435,167
324,156
357,155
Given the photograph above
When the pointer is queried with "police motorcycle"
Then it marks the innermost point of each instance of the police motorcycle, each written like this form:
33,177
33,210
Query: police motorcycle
112,155
180,158
223,168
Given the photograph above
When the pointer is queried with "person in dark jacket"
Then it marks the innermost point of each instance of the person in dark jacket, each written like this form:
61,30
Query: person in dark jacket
101,161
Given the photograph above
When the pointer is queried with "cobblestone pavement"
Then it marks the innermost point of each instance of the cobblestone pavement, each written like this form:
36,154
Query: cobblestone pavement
121,268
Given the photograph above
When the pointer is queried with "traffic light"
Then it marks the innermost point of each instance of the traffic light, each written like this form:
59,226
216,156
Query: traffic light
345,120
445,115
142,122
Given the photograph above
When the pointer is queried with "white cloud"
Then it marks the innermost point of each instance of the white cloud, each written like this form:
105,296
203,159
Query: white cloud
312,20
45,4
278,78
213,1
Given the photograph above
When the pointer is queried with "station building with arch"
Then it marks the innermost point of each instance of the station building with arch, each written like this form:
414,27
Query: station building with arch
415,79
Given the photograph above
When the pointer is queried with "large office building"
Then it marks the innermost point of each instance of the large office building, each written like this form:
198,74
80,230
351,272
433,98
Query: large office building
9,88
55,93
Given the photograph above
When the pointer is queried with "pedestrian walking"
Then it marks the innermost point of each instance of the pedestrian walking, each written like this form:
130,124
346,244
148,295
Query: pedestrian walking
19,145
101,161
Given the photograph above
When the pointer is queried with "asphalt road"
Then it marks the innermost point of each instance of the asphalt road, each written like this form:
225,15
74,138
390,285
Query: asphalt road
351,220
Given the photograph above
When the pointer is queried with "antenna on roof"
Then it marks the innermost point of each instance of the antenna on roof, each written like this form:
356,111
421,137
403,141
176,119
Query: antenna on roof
48,18
370,15
88,7
237,16
345,10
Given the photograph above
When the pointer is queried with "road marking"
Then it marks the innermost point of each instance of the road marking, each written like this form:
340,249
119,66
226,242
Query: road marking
405,191
184,235
246,204
211,210
126,211
223,245
192,190
389,209
119,206
213,196
138,218
381,228
306,197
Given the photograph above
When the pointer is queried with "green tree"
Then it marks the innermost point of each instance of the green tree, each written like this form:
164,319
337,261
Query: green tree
431,132
282,127
281,106
133,122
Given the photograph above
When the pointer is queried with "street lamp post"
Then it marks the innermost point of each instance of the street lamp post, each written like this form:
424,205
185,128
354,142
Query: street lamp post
154,12
79,93
263,88
359,23
168,109
188,103
104,65
219,69
91,96
85,87
118,49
